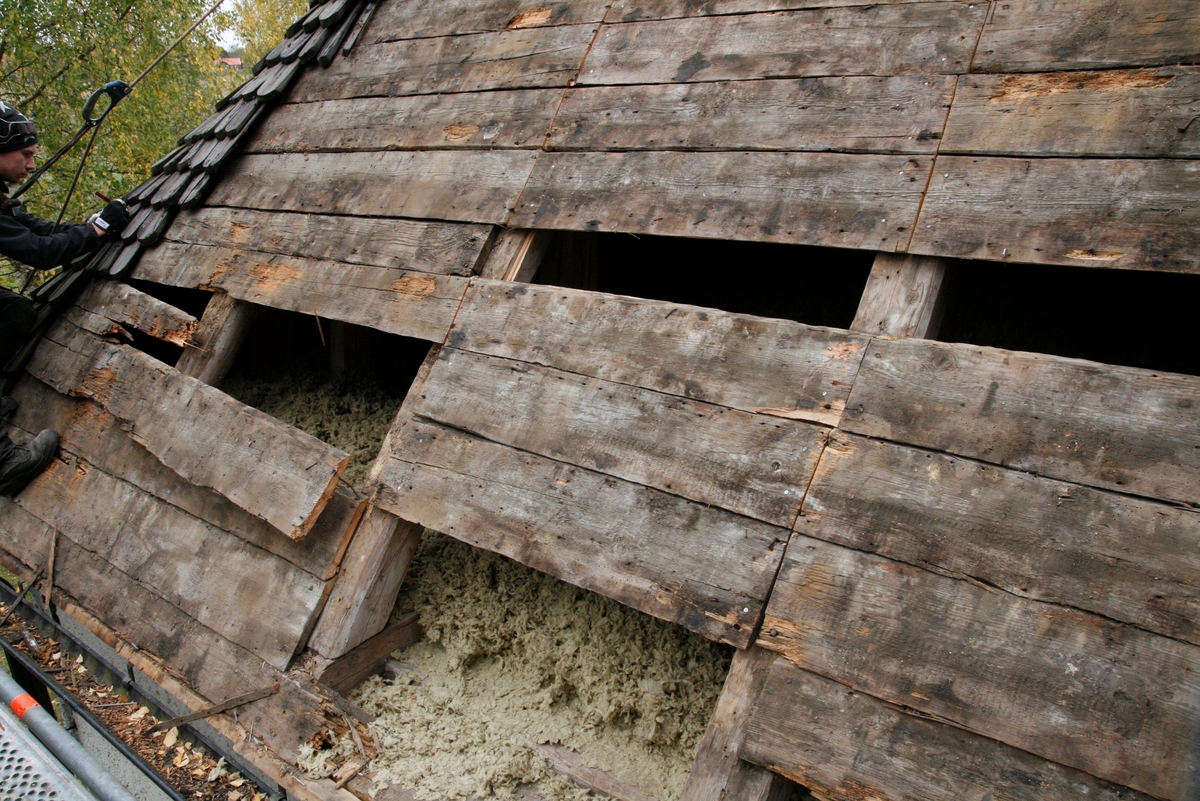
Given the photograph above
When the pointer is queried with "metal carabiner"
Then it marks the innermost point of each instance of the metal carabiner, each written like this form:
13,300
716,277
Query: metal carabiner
115,91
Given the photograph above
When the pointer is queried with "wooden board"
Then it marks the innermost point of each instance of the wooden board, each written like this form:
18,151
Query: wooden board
1143,113
425,18
248,596
844,744
463,186
345,673
1119,213
701,567
517,59
903,114
1036,35
831,199
754,364
718,773
518,118
904,297
90,433
217,339
212,666
1119,428
887,39
126,306
366,588
1127,559
422,245
753,465
1075,688
273,471
635,10
404,302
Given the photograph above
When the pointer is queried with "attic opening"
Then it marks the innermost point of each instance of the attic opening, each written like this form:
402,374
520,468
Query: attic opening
1125,317
811,285
517,670
341,383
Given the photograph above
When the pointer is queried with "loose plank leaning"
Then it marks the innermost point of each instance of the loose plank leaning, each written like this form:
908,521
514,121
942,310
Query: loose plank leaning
270,469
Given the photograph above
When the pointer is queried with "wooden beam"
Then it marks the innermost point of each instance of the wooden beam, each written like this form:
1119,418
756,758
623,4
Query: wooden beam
768,197
404,302
504,119
478,186
425,246
511,59
897,114
718,773
884,39
843,744
1118,428
218,339
1072,687
90,433
750,464
1134,214
1125,558
124,305
725,359
426,18
517,255
367,658
1031,36
903,298
570,763
367,585
1116,113
270,469
685,562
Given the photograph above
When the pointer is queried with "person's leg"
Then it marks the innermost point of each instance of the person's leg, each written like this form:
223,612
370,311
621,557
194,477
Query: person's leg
17,317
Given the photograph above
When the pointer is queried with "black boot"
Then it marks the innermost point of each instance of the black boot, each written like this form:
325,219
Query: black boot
23,462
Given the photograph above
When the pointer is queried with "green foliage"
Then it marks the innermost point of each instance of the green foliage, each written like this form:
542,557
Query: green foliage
54,53
260,25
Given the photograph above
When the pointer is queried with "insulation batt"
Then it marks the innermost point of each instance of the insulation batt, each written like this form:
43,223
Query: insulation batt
513,658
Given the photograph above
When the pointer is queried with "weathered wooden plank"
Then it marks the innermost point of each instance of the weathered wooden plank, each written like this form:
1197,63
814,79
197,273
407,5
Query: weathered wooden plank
570,763
88,432
635,10
832,199
1035,35
903,297
397,301
888,39
426,246
1147,112
1121,213
1118,428
701,567
217,339
211,665
753,465
246,595
1127,559
902,114
463,186
517,59
1075,688
366,587
273,471
844,744
127,306
517,255
425,18
718,773
518,118
367,659
755,364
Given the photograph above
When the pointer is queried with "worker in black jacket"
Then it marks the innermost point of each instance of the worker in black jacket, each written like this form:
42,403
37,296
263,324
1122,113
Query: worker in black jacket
35,242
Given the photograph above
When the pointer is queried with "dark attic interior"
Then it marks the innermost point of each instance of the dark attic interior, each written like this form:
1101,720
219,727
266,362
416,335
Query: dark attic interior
652,400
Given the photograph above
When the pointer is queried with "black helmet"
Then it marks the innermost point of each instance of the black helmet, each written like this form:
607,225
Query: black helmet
16,130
